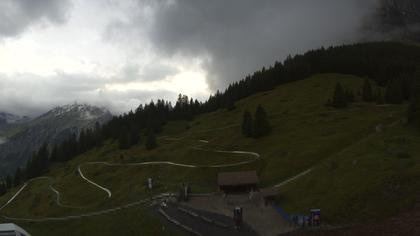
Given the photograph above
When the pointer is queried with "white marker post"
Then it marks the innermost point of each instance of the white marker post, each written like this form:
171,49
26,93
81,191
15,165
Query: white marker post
150,183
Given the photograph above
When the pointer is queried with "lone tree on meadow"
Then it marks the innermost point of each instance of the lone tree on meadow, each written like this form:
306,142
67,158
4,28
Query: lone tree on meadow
367,92
247,124
261,124
340,98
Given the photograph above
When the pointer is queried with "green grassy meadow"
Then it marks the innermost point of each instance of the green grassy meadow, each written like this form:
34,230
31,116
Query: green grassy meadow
359,174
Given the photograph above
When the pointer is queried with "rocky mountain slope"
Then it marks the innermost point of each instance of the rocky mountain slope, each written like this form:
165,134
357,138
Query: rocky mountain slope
52,127
10,124
400,18
7,118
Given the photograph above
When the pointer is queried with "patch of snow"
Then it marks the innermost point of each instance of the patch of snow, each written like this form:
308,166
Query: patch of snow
84,111
87,115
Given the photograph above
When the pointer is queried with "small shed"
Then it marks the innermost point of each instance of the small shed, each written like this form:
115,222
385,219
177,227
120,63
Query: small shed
269,194
234,182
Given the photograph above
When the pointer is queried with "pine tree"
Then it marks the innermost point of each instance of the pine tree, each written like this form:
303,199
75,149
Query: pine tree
124,139
393,93
367,92
349,96
379,98
18,177
151,140
261,124
3,189
43,156
134,136
29,170
8,182
54,156
339,99
247,124
230,104
39,163
413,112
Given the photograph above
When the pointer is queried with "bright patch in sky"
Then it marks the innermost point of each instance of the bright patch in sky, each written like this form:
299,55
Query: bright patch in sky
55,57
120,53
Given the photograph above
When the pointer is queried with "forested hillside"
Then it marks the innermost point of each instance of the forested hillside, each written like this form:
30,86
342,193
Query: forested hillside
394,66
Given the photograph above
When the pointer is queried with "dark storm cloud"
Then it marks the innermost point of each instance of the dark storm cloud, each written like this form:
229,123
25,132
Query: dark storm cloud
237,37
18,15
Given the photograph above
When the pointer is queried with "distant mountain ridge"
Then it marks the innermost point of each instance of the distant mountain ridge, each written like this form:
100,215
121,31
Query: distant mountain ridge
10,124
400,17
7,118
52,127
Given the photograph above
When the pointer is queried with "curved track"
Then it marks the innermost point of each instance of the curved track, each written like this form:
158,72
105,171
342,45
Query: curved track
58,202
255,156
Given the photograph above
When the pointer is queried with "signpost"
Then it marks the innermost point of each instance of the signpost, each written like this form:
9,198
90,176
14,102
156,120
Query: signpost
150,183
237,217
315,217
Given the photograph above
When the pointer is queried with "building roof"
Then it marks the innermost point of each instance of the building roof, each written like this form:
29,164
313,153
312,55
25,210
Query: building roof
269,192
237,178
12,227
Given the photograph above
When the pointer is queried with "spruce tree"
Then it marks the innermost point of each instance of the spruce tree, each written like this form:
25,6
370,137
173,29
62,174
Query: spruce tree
8,182
124,139
261,124
367,92
247,124
230,104
379,98
3,189
151,140
413,112
54,156
134,136
393,93
18,177
349,96
339,99
29,170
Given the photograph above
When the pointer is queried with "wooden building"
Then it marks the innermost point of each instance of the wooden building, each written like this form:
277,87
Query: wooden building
237,182
269,194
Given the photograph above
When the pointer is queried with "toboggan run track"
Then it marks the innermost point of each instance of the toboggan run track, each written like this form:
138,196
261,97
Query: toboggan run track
255,156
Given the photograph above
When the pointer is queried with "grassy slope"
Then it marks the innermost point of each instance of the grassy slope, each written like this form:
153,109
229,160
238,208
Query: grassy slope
375,178
305,134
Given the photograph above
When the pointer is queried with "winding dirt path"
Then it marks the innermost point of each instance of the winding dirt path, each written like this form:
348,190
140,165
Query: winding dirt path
255,156
20,190
58,202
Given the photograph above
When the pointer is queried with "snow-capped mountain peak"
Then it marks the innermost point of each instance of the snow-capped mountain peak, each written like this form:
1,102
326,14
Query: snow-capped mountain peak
82,111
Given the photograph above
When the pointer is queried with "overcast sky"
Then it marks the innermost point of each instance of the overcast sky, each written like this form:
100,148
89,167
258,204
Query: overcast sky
120,53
